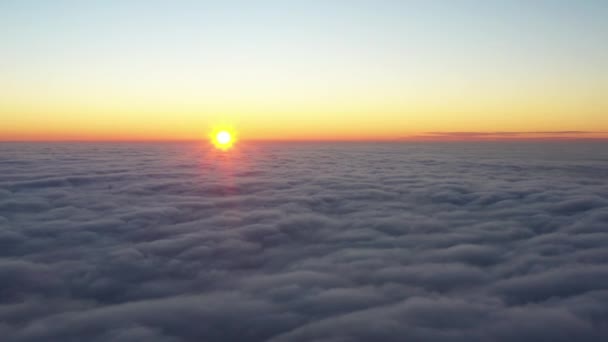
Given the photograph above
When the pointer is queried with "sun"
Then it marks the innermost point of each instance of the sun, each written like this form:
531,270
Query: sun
223,139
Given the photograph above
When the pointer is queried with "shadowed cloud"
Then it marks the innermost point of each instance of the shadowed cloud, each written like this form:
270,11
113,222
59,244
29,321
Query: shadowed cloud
304,242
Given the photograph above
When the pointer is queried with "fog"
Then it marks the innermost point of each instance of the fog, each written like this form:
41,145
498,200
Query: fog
304,242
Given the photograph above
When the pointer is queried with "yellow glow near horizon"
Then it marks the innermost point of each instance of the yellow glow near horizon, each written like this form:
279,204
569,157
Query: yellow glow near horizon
223,138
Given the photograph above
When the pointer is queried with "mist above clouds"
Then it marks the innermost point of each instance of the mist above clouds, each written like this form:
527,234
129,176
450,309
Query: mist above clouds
304,242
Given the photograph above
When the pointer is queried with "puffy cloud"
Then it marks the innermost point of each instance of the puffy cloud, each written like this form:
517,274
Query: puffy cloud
304,242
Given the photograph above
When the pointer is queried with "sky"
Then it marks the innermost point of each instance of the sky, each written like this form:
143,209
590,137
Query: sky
303,70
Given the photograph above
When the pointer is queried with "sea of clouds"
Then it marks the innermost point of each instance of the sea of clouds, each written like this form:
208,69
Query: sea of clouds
304,242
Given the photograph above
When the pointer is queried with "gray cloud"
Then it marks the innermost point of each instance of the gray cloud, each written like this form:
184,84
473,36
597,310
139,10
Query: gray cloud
509,133
304,242
512,132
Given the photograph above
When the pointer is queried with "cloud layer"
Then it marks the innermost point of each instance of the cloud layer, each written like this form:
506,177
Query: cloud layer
304,242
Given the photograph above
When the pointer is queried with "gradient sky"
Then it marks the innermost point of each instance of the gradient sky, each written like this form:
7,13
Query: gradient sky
301,69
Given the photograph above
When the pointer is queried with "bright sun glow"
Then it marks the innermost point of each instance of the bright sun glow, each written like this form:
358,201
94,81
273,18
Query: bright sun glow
223,139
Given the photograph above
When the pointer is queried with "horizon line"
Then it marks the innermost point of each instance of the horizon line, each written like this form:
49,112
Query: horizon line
439,136
414,140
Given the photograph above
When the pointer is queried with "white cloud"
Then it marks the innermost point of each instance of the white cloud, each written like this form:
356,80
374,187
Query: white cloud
297,242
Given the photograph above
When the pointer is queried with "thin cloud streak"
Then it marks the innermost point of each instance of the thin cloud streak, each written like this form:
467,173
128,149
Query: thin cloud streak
511,135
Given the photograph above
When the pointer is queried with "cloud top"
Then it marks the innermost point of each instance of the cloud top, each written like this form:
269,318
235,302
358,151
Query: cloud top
304,242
